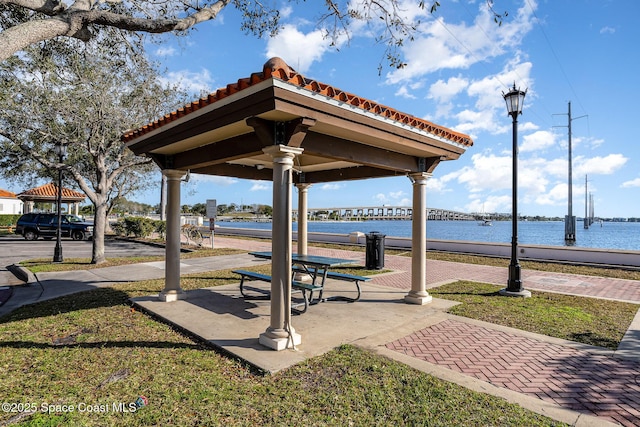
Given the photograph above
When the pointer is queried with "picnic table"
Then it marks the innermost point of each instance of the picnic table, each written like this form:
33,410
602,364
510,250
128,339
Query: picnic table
319,268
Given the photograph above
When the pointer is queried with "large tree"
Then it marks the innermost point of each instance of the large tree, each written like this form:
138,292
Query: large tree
85,96
25,22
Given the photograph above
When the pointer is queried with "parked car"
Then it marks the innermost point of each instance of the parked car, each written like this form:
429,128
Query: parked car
45,225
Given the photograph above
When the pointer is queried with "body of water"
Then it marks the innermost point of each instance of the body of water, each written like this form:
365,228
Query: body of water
608,235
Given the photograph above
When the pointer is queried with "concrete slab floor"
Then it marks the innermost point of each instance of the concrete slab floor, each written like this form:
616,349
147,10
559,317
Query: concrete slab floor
221,317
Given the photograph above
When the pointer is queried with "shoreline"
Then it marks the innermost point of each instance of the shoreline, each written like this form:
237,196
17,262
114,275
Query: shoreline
602,257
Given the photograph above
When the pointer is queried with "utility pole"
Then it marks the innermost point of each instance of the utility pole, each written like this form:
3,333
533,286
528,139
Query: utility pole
586,204
570,219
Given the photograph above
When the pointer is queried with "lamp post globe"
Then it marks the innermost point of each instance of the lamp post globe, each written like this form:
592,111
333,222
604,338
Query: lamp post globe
61,151
514,100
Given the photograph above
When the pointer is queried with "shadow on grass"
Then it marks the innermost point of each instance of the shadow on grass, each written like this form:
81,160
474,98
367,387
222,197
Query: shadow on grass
100,345
594,339
477,294
89,299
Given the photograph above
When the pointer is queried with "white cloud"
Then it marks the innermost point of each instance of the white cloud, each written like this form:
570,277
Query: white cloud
331,187
286,11
166,51
193,82
489,112
490,204
404,93
538,141
219,180
437,185
556,196
260,186
599,165
393,197
444,45
607,30
298,49
381,198
631,184
488,173
443,91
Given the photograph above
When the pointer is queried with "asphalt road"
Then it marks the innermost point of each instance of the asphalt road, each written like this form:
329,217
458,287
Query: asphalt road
14,249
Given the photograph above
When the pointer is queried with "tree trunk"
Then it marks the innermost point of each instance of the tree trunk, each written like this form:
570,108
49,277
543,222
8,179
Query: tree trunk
99,227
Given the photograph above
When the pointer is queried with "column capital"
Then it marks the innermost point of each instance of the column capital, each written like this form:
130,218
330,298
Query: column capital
276,151
418,177
303,186
173,173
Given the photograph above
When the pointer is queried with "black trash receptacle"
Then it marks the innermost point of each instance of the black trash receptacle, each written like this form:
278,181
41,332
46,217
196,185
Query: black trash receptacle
375,251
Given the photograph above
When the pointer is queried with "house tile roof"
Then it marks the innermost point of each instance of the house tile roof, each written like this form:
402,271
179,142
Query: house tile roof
278,69
7,194
50,191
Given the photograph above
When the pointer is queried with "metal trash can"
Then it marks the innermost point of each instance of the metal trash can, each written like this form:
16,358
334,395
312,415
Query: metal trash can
375,251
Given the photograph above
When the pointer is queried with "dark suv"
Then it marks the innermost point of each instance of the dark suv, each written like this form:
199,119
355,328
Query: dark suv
34,225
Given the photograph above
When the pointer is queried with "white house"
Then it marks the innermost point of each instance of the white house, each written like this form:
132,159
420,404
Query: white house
9,203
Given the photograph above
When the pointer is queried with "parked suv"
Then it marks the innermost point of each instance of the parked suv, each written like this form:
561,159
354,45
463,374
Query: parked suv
34,225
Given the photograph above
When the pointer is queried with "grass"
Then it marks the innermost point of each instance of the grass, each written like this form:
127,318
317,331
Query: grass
591,321
40,265
92,348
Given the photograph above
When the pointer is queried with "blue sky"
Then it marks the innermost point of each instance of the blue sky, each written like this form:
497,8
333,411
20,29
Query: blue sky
458,66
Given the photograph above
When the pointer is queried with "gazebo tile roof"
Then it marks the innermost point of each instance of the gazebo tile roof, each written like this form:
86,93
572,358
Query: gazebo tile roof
277,68
51,191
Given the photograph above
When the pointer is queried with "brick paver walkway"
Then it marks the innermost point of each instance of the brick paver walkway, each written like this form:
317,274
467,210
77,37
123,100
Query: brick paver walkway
575,379
581,380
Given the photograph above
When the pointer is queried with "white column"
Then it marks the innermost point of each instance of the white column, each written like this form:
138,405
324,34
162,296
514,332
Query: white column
418,293
280,334
172,290
303,215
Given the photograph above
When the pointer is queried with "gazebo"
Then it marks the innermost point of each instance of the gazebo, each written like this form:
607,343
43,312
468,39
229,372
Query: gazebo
280,126
48,193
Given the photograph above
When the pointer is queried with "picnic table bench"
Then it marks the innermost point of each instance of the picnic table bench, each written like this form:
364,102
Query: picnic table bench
295,285
338,276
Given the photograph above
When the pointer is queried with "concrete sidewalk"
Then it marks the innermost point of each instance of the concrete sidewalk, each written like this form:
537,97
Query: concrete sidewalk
570,382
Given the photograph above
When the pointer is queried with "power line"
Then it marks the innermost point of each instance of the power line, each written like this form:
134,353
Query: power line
555,56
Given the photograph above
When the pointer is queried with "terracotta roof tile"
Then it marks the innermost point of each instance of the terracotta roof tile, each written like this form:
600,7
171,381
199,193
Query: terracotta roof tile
7,194
277,68
51,191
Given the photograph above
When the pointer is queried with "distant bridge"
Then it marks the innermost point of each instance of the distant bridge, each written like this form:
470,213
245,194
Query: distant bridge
380,213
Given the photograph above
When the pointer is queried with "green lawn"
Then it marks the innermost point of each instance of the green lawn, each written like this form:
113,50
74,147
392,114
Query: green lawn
92,349
587,320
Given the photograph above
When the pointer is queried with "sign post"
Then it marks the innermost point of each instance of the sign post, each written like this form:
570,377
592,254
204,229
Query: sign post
212,213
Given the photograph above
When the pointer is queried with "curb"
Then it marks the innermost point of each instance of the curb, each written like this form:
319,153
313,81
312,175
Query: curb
22,273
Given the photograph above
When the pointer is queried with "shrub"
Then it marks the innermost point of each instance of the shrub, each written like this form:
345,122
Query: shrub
137,226
8,220
160,227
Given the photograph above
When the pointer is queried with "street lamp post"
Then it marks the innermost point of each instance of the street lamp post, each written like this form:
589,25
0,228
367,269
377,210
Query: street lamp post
61,151
514,99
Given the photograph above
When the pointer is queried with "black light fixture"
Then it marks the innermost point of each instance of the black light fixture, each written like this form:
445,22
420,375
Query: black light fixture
61,151
514,99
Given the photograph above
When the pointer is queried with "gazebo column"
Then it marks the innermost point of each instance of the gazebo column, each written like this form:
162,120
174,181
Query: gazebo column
303,214
172,290
418,293
280,334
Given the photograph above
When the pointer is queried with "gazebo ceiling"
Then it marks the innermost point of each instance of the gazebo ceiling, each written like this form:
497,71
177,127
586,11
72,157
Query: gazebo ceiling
343,136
